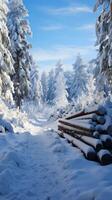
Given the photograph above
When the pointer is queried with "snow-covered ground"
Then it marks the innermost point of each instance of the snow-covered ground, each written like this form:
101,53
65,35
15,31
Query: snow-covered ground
41,166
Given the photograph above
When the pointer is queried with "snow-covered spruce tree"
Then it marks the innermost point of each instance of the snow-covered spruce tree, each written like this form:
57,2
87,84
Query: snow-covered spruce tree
79,80
104,42
6,61
44,85
69,78
19,29
61,94
51,88
36,88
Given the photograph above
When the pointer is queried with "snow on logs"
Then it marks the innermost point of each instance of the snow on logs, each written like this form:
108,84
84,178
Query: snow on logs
89,129
95,143
98,110
87,150
80,125
90,121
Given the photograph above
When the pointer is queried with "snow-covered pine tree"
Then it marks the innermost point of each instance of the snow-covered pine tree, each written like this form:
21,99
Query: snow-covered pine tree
69,78
51,88
6,61
104,42
79,80
58,68
91,87
44,84
19,29
36,88
61,94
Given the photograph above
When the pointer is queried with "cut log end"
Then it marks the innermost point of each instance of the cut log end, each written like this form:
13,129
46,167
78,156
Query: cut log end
91,155
96,134
104,157
101,110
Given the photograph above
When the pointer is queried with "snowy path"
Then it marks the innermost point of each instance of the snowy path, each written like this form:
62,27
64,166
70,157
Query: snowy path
44,167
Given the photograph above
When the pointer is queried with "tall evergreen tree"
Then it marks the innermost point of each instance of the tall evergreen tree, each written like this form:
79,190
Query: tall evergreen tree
44,84
69,78
36,88
51,87
19,29
79,80
6,61
58,68
104,42
61,94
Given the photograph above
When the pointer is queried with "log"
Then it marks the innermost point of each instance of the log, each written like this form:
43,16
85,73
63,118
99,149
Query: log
103,129
77,114
78,125
107,127
85,121
89,116
72,130
107,141
104,157
87,150
98,110
101,110
92,117
96,143
96,134
100,119
99,129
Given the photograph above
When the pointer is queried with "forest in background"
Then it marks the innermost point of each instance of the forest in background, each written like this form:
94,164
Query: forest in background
20,81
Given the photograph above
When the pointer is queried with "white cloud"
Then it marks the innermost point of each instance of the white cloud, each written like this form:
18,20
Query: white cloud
69,10
52,28
63,52
86,27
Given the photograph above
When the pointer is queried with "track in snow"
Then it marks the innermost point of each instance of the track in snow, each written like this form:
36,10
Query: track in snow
47,168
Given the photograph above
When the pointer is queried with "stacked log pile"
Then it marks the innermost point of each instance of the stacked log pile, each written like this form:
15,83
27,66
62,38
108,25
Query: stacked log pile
90,131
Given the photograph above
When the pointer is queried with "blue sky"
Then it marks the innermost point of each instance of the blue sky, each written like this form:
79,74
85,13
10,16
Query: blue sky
61,29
